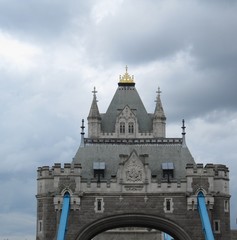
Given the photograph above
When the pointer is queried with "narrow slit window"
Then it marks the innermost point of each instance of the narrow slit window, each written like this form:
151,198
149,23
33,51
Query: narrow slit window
217,226
40,226
99,206
168,205
226,205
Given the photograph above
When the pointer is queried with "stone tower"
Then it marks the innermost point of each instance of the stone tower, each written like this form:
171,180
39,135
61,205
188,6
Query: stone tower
127,173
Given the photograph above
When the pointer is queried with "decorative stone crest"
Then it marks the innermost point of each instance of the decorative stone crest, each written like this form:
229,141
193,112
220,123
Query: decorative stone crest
134,169
200,182
67,182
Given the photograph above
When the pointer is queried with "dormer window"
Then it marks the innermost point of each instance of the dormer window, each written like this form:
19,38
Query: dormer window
99,170
122,127
130,127
168,170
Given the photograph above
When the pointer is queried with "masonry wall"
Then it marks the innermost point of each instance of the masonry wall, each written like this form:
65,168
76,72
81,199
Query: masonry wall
53,183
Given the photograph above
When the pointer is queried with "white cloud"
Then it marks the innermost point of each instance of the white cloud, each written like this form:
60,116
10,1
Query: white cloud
105,8
15,54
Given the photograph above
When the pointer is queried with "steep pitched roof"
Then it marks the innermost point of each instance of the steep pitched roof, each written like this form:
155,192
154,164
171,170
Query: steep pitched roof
126,95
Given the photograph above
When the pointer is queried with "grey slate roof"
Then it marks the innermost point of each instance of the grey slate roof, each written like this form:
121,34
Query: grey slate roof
126,95
109,154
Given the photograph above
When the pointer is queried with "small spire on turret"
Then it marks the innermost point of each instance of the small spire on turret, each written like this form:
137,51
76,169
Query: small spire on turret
82,127
159,119
183,133
159,112
159,92
94,94
94,111
183,127
94,118
82,133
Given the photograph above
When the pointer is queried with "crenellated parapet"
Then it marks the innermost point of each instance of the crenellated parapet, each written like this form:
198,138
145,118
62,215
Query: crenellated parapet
211,179
56,181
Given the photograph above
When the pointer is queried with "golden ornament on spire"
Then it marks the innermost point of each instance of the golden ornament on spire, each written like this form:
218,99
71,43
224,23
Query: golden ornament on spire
126,78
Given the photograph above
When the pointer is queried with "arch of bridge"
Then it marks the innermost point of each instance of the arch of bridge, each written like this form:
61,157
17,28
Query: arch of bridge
132,220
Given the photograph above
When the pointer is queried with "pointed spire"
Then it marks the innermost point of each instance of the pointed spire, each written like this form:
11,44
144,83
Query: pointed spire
183,134
159,119
159,111
94,110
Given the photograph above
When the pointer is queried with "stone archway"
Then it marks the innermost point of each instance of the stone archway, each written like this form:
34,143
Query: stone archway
132,220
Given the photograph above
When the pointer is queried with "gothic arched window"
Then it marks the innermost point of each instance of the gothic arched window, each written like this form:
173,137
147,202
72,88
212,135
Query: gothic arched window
131,127
122,127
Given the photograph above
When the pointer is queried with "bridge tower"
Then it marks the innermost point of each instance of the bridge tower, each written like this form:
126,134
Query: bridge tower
127,173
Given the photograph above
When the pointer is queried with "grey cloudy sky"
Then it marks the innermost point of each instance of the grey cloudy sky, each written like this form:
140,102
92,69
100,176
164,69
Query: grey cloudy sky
52,54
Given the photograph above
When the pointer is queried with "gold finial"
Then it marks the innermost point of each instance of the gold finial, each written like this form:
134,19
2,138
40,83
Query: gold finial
126,78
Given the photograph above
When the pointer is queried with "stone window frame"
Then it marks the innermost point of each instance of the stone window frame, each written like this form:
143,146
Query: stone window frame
131,127
217,226
168,205
226,205
40,226
99,205
122,127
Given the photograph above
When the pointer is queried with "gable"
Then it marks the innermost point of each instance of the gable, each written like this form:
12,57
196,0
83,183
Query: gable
133,171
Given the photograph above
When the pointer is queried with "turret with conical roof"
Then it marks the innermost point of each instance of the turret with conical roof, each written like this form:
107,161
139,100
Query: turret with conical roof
94,118
159,119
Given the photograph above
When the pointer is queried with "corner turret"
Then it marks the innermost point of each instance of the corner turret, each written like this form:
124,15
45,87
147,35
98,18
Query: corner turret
94,118
159,119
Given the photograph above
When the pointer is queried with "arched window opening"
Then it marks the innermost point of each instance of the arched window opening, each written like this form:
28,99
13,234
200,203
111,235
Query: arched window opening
122,127
131,127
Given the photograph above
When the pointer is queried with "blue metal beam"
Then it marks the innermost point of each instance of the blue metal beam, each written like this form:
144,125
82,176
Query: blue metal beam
64,217
167,236
206,225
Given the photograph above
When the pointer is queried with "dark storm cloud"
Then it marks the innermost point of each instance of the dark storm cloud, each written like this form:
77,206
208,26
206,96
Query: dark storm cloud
157,30
202,94
40,19
188,49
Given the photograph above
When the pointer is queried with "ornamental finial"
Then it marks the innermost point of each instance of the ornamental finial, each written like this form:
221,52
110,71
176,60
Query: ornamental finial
82,127
158,94
94,93
126,78
183,127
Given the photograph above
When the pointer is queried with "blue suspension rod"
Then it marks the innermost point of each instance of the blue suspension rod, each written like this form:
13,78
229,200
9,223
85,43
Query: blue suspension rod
64,217
206,225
